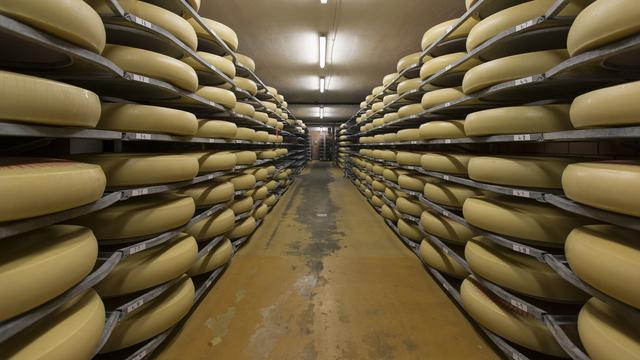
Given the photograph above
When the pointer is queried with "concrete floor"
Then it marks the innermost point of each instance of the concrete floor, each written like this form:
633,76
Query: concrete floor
325,278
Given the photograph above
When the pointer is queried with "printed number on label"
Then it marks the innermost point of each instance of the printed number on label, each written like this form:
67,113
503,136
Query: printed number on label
521,193
447,141
525,25
140,356
523,81
143,22
519,305
143,136
137,249
140,78
520,249
515,356
135,305
139,192
446,177
522,137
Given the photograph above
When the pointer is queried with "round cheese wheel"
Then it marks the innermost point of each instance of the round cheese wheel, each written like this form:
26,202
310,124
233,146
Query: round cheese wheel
389,99
272,185
246,84
263,117
449,194
212,226
388,213
408,135
518,120
436,32
148,119
537,172
601,23
437,259
241,182
31,186
511,68
409,207
223,31
267,154
260,212
245,157
209,192
72,20
413,182
219,256
393,194
216,129
42,264
408,158
139,216
438,63
245,61
269,105
244,109
445,228
72,331
440,96
260,193
507,321
247,134
154,65
609,185
221,63
241,205
220,96
262,136
606,257
512,16
153,317
150,267
388,79
446,162
378,138
387,155
128,169
377,106
606,333
271,200
408,85
518,272
261,174
390,117
528,220
451,129
392,174
611,106
378,186
245,228
409,231
57,103
408,61
281,151
408,110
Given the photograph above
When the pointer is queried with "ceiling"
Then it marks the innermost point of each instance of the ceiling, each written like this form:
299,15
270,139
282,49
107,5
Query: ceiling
365,40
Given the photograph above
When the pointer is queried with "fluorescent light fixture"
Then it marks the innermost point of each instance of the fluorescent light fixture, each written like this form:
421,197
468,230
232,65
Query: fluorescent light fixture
321,112
323,2
323,51
321,85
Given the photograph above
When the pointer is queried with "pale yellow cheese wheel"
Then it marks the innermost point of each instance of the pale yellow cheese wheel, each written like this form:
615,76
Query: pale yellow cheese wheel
377,106
518,272
281,151
387,155
408,158
606,257
213,161
390,117
209,192
220,96
408,85
244,109
150,267
437,31
388,79
438,63
57,103
612,185
71,20
518,120
446,162
153,65
409,206
260,193
392,174
507,321
409,230
413,182
223,31
263,117
377,122
219,256
451,129
221,63
31,186
528,220
246,84
245,61
440,96
408,61
241,205
260,212
71,332
525,171
147,119
449,194
261,173
408,135
42,264
437,259
408,110
378,138
267,154
511,68
247,134
512,16
153,317
393,194
272,185
271,200
445,228
376,201
611,106
241,182
389,99
608,334
139,216
388,213
378,186
269,105
262,136
244,228
128,169
212,226
245,157
216,129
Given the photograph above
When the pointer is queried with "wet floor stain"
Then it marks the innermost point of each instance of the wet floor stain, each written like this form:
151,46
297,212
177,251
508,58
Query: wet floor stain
220,325
379,345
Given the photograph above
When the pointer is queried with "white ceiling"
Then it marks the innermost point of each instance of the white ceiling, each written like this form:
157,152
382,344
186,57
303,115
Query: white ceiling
365,40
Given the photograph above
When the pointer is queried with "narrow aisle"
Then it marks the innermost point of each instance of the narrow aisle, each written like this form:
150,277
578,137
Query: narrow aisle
324,278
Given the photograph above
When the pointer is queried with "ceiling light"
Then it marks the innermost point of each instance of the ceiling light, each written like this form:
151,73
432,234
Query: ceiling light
321,112
323,2
323,51
321,85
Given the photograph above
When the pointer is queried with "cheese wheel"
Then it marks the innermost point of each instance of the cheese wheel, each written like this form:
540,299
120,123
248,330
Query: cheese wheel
139,216
389,99
260,193
410,207
408,158
73,20
212,226
57,103
72,331
409,110
451,129
154,65
30,186
601,23
378,186
528,220
408,135
377,106
271,200
150,267
388,213
609,185
437,259
246,84
244,109
260,212
413,182
525,171
209,192
408,85
272,185
220,96
262,136
512,16
219,256
267,154
449,194
438,63
606,333
390,117
281,151
269,105
243,133
387,155
378,138
408,61
263,117
393,194
606,257
147,119
128,169
153,317
446,162
511,68
216,129
518,120
388,79
392,174
445,228
507,321
245,157
245,228
221,63
241,205
261,174
436,32
440,96
241,182
518,272
225,33
245,61
611,106
409,231
42,264
376,201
